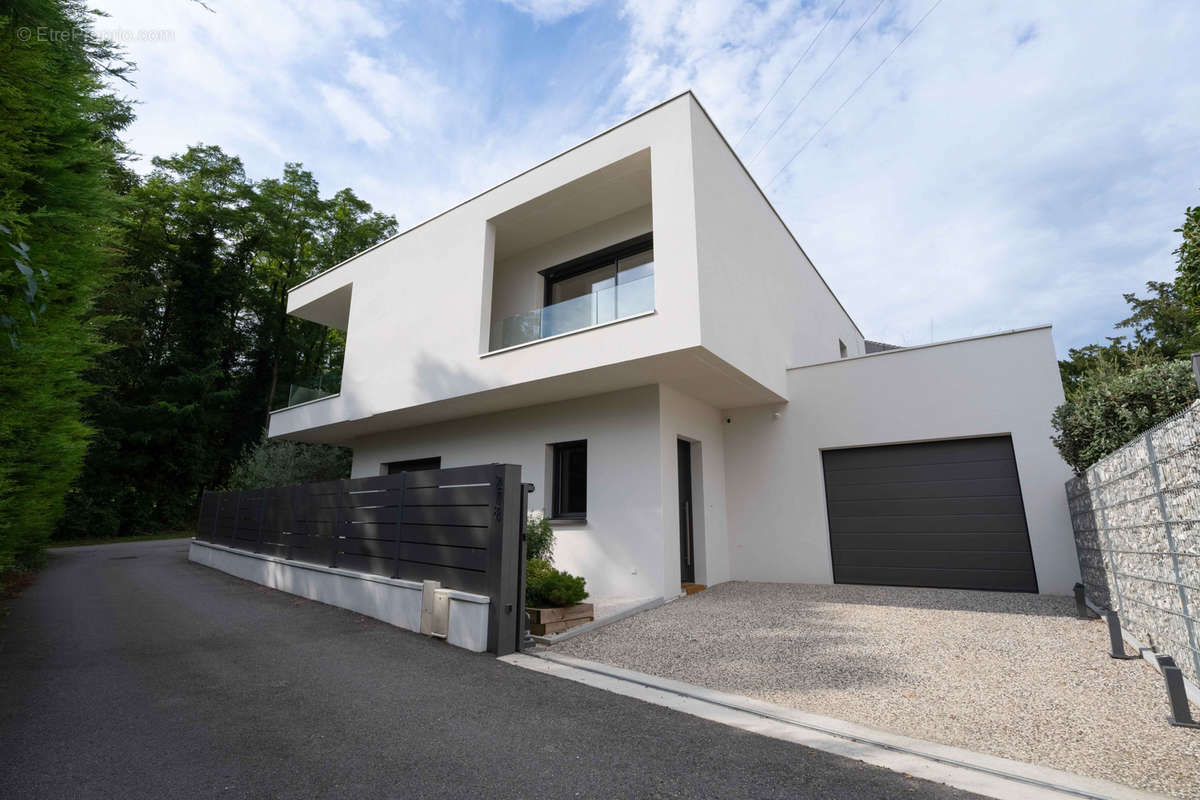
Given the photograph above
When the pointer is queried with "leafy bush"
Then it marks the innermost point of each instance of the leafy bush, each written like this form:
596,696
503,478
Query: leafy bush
546,586
1110,408
279,462
539,538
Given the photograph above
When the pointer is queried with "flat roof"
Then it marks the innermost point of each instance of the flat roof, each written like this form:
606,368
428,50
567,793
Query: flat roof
902,349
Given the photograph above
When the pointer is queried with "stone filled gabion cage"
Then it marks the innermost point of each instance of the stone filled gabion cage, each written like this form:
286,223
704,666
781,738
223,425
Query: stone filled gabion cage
1136,516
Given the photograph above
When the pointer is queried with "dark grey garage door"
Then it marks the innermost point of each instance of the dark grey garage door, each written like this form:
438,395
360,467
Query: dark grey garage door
946,514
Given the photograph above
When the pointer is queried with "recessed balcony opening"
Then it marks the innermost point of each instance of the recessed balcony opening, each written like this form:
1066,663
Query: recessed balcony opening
574,258
311,366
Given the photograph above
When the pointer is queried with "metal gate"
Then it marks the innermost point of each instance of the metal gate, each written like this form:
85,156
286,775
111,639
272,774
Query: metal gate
462,526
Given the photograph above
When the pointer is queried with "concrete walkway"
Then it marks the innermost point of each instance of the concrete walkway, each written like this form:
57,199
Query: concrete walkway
126,671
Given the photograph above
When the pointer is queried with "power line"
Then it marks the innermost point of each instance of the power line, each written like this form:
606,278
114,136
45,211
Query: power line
828,67
789,75
853,93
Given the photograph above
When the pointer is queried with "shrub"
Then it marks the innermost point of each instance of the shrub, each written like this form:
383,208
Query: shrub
1110,409
279,462
546,586
539,538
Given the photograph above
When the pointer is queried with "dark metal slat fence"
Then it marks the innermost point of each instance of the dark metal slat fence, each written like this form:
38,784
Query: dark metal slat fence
461,526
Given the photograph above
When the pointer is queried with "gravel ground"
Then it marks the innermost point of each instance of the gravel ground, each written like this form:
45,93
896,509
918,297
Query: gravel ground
1009,674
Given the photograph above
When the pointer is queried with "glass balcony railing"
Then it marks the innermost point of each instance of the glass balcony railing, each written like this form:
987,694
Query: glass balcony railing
604,305
308,389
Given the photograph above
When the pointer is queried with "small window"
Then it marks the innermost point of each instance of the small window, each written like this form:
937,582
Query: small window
842,352
413,465
569,494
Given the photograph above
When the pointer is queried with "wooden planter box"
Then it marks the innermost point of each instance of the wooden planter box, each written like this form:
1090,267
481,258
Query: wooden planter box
544,621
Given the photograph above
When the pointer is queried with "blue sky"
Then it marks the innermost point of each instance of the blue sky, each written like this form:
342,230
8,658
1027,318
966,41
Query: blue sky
1012,163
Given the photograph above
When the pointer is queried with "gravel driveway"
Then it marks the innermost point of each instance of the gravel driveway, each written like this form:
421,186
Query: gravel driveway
1014,675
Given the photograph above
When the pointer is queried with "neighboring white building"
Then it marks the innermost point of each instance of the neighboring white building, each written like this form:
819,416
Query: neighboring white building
635,304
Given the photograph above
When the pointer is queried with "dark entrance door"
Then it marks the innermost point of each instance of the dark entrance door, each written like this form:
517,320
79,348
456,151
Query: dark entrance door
946,514
687,549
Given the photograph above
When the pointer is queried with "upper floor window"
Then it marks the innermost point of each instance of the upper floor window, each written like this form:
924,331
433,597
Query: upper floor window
607,285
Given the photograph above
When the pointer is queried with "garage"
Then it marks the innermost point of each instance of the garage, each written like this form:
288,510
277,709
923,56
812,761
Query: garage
946,514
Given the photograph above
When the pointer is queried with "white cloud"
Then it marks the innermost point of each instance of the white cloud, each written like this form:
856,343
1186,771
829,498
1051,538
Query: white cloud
549,11
356,121
407,94
1012,164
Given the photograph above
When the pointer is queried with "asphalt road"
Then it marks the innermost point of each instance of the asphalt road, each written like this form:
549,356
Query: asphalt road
128,672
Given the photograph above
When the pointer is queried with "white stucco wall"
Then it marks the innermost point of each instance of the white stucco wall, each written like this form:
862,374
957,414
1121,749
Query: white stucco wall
1003,384
418,304
684,417
729,278
619,549
763,305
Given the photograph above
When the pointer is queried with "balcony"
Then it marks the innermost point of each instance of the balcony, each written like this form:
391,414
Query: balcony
627,294
577,257
307,390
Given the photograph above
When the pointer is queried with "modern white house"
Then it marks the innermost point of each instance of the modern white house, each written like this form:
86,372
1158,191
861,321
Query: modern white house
633,323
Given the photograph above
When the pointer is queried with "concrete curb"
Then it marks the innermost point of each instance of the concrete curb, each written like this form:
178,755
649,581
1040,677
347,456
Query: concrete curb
596,624
987,775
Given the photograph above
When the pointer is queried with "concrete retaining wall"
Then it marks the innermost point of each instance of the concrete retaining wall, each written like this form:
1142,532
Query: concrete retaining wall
397,602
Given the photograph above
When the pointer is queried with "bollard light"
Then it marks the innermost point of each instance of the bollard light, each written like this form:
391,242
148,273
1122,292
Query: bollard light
1181,714
1116,643
1081,609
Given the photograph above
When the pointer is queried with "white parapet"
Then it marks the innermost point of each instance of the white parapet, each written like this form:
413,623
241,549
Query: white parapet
397,602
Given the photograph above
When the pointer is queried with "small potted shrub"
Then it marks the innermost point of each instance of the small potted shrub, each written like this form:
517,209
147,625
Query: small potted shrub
553,598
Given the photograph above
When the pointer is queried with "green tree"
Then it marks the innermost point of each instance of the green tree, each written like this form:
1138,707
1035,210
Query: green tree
1163,322
61,174
1113,408
1119,390
202,340
167,402
1187,266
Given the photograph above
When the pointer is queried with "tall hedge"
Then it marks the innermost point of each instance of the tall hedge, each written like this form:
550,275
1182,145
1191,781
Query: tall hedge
61,177
1109,410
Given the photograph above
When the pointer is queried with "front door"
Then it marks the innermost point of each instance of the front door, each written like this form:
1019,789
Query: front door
687,548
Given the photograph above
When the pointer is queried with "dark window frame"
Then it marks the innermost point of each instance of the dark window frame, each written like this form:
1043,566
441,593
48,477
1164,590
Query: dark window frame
591,261
558,489
412,465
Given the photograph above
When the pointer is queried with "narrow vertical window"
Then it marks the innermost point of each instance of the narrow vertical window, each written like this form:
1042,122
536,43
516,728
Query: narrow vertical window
569,497
841,349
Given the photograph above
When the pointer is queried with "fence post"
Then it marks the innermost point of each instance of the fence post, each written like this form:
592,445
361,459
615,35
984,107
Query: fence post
399,524
523,622
212,537
291,532
339,518
237,517
1094,478
262,513
1166,520
503,553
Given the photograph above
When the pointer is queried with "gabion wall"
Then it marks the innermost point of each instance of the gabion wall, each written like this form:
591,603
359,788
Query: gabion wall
1136,516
